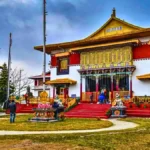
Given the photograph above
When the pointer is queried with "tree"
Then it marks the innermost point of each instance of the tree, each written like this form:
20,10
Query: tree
20,81
3,84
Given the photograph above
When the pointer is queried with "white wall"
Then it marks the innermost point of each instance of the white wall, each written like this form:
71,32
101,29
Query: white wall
73,74
35,93
141,87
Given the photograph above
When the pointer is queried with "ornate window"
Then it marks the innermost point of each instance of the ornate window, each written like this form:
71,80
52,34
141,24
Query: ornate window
63,67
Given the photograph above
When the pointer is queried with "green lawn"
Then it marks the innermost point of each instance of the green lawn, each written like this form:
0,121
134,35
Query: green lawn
22,124
133,139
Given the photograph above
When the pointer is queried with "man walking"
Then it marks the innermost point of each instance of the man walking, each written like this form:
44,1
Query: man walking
12,107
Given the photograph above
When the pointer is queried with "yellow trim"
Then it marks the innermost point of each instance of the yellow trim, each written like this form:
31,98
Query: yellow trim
104,45
145,76
62,81
62,54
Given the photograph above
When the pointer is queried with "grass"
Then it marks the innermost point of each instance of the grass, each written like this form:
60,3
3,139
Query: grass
22,124
2,110
137,138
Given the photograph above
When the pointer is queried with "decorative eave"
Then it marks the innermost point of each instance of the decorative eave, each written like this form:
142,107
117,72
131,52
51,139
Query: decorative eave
102,40
39,77
143,77
106,45
47,75
117,69
61,81
62,54
36,89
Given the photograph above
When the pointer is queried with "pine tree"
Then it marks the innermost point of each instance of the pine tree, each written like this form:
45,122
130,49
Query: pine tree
3,83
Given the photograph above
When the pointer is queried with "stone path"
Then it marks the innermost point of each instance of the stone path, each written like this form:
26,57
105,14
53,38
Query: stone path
117,125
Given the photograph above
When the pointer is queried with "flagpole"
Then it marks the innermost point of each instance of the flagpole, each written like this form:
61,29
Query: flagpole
44,42
9,66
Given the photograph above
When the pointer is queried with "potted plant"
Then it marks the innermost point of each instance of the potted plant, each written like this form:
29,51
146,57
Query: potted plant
137,104
145,106
108,113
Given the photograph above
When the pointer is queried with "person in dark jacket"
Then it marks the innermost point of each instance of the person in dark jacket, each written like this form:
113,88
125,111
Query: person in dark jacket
12,107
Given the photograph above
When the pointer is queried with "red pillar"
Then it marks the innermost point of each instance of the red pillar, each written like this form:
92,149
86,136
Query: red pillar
112,87
97,86
53,91
130,77
65,90
80,88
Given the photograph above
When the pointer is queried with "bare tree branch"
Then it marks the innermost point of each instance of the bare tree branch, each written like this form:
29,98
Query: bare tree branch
20,82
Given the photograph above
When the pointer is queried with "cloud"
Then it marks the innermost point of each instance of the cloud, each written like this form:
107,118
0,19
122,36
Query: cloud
14,2
28,69
67,20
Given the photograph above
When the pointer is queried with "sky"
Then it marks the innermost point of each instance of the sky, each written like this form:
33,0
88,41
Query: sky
67,20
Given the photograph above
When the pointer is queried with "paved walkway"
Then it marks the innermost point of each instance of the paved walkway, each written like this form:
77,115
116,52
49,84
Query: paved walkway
117,125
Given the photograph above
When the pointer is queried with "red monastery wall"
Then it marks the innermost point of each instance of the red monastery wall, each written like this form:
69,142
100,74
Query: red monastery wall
53,61
74,59
141,52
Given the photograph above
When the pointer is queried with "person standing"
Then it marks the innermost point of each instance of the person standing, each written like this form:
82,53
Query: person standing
91,97
12,107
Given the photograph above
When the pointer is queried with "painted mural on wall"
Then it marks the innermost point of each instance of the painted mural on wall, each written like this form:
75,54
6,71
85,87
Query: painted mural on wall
106,58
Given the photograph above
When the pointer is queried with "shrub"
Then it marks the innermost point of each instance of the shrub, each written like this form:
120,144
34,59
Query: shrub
78,99
108,112
137,104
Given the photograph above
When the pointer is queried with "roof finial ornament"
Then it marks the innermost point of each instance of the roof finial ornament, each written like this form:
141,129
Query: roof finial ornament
113,13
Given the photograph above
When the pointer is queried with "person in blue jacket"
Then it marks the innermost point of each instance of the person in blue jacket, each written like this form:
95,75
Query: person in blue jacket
101,97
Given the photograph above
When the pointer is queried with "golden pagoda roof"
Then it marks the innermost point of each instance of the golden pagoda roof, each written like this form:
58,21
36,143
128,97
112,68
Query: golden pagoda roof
62,81
118,20
144,76
101,36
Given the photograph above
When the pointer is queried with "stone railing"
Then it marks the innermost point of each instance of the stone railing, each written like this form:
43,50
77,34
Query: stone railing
86,96
141,99
71,102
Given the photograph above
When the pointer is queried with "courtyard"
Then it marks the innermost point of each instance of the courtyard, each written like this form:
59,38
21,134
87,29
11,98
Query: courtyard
132,138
